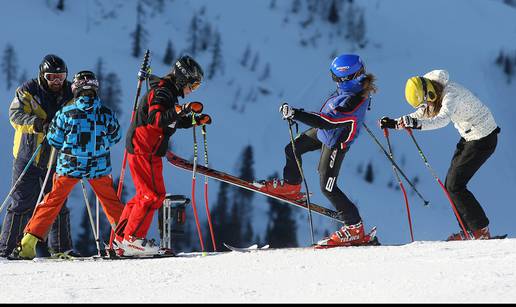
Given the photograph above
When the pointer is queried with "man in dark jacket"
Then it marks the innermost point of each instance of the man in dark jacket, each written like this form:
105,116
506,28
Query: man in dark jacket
157,118
33,107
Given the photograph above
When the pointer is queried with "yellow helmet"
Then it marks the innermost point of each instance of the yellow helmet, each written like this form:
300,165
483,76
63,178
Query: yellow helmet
419,90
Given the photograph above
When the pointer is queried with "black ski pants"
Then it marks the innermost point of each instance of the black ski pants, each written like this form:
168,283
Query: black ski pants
467,160
20,210
329,168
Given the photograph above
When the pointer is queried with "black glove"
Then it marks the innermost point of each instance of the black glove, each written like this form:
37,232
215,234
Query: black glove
40,125
389,123
202,119
409,122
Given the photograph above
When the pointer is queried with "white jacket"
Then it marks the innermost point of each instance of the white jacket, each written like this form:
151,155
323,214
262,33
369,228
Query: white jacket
472,118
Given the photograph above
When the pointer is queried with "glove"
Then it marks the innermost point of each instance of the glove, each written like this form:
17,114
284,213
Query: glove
202,119
286,111
40,125
194,106
409,122
389,123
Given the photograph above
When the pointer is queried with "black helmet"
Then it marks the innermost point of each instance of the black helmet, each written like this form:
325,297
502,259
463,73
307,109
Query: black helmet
187,71
85,81
51,63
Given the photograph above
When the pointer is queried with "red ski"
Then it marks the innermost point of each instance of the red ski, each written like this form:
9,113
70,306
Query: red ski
252,186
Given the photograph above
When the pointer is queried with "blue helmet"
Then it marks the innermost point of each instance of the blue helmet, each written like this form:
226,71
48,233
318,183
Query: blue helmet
346,67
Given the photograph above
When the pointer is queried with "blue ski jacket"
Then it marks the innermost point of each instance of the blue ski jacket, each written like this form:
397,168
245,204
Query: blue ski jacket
84,133
339,119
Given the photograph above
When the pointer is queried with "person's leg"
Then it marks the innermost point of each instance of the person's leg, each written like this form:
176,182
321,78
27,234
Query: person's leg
147,174
60,235
103,188
329,168
47,211
306,142
21,207
467,160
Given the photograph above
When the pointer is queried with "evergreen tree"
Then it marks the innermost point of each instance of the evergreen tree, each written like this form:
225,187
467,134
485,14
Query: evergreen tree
216,60
60,5
266,72
296,6
369,175
281,228
112,93
246,56
170,55
500,59
220,217
194,35
99,73
256,59
508,69
139,35
333,16
10,66
206,37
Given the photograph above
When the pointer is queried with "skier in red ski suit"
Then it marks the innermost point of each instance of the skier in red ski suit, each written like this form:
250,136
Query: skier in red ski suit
158,116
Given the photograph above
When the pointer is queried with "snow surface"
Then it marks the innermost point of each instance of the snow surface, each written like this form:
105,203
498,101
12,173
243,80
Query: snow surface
420,272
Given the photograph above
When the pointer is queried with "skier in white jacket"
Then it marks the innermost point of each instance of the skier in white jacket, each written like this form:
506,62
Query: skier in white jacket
439,101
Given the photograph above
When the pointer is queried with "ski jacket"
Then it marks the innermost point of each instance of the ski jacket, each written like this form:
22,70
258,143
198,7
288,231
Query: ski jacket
469,115
33,101
84,133
156,119
339,120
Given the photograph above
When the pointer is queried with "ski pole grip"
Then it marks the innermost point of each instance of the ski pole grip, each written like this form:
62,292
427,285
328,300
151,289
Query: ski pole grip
386,132
142,74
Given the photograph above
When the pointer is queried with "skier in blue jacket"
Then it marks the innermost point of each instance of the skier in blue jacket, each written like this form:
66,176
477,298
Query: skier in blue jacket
333,129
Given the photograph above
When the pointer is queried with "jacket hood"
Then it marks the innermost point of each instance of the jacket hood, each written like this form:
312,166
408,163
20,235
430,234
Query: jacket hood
440,75
87,104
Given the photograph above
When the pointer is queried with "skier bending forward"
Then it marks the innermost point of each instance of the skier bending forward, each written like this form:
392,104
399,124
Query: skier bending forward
333,130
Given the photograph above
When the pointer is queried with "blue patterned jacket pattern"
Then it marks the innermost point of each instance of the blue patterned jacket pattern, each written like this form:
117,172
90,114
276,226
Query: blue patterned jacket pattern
84,132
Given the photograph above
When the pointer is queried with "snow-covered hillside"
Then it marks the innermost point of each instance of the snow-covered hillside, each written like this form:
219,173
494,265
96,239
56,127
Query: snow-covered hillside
421,272
405,38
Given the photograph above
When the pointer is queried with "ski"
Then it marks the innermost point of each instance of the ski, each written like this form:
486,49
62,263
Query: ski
251,248
252,186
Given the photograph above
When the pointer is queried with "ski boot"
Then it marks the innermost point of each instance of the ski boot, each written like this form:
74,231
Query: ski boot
348,235
26,250
479,234
133,246
282,188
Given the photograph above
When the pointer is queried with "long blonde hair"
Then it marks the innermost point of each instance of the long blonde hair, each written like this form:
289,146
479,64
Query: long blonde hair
433,107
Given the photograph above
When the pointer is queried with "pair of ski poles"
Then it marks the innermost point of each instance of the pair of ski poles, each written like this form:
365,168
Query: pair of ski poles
397,169
194,206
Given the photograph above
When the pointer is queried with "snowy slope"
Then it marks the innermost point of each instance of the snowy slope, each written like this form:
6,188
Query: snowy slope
421,272
405,39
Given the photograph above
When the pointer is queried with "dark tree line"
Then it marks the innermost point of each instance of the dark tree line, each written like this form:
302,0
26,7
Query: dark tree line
507,62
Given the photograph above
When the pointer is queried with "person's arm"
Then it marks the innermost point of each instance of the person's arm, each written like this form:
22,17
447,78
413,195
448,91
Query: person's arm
57,131
320,121
113,130
159,115
21,113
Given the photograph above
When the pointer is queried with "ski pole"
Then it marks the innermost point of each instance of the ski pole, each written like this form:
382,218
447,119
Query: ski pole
90,216
386,134
290,124
142,75
204,136
17,182
425,202
454,208
193,184
49,169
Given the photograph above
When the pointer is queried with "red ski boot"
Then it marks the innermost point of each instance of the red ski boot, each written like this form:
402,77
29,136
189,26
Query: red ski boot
479,234
348,235
282,188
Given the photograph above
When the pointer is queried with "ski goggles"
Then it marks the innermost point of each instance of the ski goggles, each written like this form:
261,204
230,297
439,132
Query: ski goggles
427,95
194,86
54,77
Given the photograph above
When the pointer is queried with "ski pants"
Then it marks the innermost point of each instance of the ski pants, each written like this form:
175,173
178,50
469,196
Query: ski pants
21,208
47,211
329,168
467,160
147,174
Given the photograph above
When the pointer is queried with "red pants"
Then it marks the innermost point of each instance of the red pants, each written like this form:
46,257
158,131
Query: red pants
147,174
47,211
